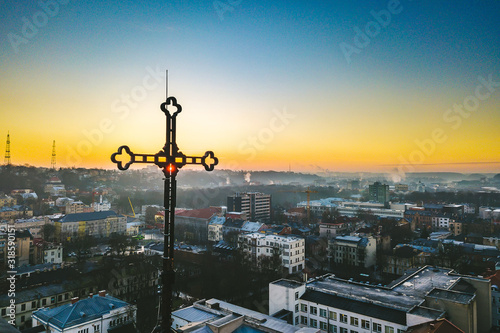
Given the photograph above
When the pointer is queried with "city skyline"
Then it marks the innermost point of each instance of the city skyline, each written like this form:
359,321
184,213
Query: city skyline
393,86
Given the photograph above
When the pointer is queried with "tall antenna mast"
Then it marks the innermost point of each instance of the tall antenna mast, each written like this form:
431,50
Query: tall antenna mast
53,159
7,150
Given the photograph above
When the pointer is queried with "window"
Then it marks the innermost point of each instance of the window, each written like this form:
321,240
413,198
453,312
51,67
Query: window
323,325
4,312
33,304
44,301
59,298
303,307
343,330
343,318
332,328
22,319
322,313
377,327
96,328
314,310
297,295
296,308
333,315
52,300
365,324
303,320
353,331
297,320
313,323
389,329
23,307
354,321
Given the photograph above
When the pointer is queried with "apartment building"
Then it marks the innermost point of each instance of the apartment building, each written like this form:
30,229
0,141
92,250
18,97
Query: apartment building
96,224
352,251
423,296
257,206
290,248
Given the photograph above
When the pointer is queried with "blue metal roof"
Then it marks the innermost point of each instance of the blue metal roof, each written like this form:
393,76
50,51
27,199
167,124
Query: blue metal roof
192,314
69,315
92,216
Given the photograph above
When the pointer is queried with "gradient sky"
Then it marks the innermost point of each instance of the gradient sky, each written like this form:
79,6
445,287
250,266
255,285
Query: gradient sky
265,85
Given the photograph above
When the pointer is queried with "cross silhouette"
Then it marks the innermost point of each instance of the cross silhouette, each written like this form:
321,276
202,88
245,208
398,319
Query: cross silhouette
170,160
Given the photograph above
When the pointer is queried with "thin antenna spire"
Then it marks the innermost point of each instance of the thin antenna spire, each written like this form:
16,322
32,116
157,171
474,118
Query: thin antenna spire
53,160
166,84
7,150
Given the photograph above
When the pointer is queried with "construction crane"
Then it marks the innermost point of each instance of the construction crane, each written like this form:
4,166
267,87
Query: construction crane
308,192
133,212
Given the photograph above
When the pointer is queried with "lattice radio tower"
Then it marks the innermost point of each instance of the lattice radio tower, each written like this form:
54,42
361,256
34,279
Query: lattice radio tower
7,150
53,159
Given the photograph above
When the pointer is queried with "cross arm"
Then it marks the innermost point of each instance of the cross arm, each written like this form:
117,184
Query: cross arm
124,158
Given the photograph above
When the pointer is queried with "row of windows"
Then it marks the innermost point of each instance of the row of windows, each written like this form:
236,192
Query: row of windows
343,318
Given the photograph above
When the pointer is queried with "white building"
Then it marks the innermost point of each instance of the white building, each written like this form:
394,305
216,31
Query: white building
351,208
53,255
101,205
441,222
426,295
353,251
290,248
98,313
215,228
214,315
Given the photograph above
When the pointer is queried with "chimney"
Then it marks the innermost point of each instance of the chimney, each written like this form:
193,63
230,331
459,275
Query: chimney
74,300
102,293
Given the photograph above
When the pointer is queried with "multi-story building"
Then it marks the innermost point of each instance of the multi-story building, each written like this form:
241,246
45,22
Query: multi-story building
25,251
7,201
424,296
495,298
215,226
379,192
329,230
257,206
290,248
441,222
96,224
352,251
214,315
403,259
97,313
53,254
401,187
456,227
351,208
195,222
78,207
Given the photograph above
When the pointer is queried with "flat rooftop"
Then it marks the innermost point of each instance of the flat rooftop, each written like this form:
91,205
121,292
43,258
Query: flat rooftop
403,294
288,283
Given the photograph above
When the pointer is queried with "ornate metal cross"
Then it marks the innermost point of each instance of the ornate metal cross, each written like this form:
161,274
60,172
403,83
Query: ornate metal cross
170,160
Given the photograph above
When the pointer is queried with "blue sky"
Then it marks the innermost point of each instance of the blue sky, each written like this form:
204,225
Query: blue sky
232,69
